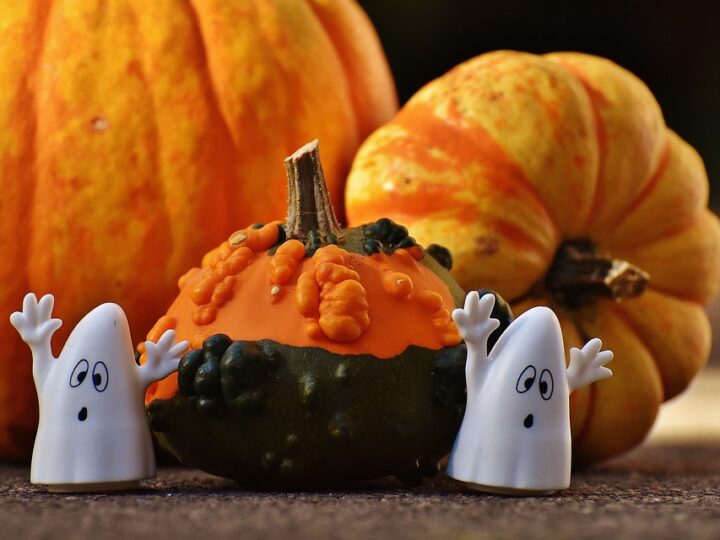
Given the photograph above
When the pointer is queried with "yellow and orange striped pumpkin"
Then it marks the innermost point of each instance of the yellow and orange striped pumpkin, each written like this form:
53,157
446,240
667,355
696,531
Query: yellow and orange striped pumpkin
510,155
134,135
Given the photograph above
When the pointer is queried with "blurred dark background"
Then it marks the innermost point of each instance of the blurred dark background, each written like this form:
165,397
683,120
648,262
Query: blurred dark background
673,46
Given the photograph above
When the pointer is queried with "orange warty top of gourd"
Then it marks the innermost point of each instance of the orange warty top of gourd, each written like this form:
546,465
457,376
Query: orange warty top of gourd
335,299
330,292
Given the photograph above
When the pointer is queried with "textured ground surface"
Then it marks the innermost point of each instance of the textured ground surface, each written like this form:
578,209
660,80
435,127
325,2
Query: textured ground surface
657,491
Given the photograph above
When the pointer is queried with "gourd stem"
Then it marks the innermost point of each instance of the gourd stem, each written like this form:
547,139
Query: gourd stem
579,273
309,206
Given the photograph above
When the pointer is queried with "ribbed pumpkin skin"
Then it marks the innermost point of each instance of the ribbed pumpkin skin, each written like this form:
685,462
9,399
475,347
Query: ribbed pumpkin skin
134,135
510,154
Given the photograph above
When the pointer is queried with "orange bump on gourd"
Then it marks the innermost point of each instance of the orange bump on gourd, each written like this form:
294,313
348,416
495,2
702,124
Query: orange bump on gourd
223,291
343,310
343,303
258,239
286,261
307,296
398,284
430,300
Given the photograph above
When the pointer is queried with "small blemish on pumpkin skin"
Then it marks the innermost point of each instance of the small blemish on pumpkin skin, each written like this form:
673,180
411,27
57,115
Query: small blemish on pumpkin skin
100,123
487,245
237,238
275,294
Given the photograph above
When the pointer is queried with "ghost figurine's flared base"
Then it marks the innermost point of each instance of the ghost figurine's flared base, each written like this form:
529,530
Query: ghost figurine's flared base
99,487
511,491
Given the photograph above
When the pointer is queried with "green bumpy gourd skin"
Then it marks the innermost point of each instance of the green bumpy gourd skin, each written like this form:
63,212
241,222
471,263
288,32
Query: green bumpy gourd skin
272,415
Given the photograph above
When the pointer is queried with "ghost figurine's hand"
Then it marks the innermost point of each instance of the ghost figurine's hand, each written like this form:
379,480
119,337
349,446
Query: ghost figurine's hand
475,325
474,321
161,358
34,323
587,365
36,327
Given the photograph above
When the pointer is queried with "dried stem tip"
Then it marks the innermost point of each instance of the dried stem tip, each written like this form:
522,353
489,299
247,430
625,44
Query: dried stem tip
309,206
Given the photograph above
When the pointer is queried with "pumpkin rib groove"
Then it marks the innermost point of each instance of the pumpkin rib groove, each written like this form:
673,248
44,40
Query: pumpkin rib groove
412,117
519,239
695,345
651,185
585,429
45,10
600,137
674,294
648,346
18,407
343,62
220,126
665,235
345,22
598,102
142,74
288,140
630,246
592,399
33,120
207,77
650,367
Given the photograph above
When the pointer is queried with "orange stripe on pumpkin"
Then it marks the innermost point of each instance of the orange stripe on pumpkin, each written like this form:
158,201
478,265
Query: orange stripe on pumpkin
461,145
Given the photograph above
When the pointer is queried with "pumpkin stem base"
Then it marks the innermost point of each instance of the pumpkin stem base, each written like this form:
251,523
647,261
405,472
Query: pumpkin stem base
309,206
579,273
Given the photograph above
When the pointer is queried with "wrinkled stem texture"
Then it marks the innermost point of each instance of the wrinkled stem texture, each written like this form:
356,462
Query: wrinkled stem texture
309,206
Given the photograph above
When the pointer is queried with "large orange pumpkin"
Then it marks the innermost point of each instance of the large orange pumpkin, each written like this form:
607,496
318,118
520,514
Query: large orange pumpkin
544,176
135,134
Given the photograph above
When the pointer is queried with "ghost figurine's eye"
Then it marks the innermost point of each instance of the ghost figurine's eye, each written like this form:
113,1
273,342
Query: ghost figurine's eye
526,379
546,384
79,373
100,376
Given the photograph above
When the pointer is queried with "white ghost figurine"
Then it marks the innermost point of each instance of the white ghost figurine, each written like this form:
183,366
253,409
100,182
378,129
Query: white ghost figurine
515,436
93,433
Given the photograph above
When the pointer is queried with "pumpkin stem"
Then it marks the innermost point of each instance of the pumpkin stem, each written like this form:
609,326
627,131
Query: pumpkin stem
579,273
309,206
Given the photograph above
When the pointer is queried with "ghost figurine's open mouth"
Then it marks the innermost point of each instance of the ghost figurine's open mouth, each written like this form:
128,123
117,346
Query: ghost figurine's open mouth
528,422
82,415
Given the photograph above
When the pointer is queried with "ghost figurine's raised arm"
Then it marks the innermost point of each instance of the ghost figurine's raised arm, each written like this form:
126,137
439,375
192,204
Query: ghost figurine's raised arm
161,358
587,365
515,436
36,328
93,433
476,325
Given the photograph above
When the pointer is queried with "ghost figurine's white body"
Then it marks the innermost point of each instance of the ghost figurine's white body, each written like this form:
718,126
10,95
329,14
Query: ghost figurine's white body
515,436
93,432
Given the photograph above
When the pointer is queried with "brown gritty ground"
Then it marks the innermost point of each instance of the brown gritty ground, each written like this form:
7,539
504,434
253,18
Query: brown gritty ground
656,491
